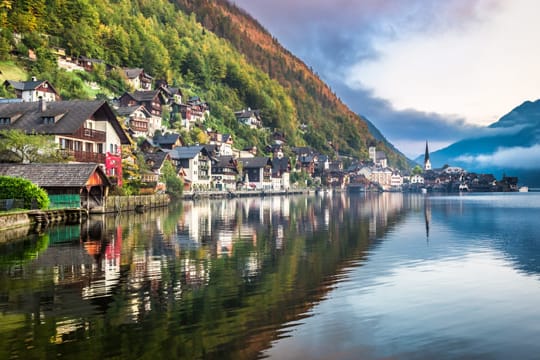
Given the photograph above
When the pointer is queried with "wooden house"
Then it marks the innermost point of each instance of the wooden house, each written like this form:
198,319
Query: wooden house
138,79
85,182
34,90
153,101
86,130
136,118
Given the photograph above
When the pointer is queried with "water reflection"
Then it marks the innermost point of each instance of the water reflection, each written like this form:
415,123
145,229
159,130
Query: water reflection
226,278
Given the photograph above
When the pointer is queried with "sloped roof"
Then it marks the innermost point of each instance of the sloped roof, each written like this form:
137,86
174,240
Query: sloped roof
128,110
132,73
225,161
255,162
166,139
71,115
66,175
158,158
244,114
186,152
28,85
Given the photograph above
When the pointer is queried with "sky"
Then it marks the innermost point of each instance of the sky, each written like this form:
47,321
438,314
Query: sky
420,70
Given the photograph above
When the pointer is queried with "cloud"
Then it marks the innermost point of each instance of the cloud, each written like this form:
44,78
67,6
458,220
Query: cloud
408,129
524,158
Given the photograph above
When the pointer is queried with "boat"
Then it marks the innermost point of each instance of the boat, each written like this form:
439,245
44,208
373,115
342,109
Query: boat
523,189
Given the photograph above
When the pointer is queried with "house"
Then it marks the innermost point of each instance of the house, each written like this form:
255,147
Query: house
86,130
196,163
136,118
82,184
154,162
32,91
153,101
417,179
224,142
257,172
88,64
307,163
378,157
225,173
167,141
138,79
251,118
381,176
281,171
194,111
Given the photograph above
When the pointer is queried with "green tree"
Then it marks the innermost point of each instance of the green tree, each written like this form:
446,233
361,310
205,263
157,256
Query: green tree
18,188
18,147
174,184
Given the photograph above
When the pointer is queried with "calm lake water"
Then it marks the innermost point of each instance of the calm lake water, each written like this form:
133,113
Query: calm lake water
376,276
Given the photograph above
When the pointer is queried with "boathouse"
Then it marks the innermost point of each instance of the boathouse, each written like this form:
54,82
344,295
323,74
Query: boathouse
68,184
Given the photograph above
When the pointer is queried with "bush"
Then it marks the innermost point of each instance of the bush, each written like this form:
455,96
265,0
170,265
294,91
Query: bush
17,188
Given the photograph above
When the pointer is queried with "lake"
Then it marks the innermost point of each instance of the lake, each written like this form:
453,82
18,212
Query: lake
333,276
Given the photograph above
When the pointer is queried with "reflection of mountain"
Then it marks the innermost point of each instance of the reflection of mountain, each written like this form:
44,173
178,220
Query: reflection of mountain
507,225
510,145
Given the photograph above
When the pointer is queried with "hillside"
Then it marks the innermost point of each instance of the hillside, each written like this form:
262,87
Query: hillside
240,66
511,146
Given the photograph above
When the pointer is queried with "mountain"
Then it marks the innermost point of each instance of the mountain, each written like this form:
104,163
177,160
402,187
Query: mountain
211,49
509,146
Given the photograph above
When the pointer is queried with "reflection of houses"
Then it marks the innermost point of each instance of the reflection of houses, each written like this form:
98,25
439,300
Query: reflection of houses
86,182
31,91
87,130
196,164
257,172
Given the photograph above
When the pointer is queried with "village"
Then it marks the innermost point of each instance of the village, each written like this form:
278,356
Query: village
100,132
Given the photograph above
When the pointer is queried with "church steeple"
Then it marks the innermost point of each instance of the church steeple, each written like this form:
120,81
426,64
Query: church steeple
427,162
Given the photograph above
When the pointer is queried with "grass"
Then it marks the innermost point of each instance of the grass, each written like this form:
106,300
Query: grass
9,70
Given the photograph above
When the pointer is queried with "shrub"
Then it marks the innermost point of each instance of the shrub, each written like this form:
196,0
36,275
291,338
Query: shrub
18,188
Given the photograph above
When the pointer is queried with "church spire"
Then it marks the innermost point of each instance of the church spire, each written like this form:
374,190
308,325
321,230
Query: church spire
427,162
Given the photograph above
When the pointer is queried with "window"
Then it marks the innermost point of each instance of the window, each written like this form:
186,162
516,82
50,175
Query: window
100,148
89,147
5,120
48,119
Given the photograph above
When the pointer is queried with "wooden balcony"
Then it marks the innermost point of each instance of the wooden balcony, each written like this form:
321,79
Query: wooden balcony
84,156
90,134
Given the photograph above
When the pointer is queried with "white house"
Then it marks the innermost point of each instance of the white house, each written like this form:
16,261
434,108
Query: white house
196,164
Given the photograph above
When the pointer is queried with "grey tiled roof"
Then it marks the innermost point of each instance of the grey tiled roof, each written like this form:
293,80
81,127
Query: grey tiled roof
70,116
255,162
186,152
68,175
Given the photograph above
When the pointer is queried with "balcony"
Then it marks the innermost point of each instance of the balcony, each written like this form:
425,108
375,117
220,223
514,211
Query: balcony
84,156
90,134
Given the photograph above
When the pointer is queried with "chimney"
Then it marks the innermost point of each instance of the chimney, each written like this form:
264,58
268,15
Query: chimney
42,104
34,78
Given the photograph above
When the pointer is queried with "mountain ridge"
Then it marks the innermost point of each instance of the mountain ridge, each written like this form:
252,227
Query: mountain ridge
508,146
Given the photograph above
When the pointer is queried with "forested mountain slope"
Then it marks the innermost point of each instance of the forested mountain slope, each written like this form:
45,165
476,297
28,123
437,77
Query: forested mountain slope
241,66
